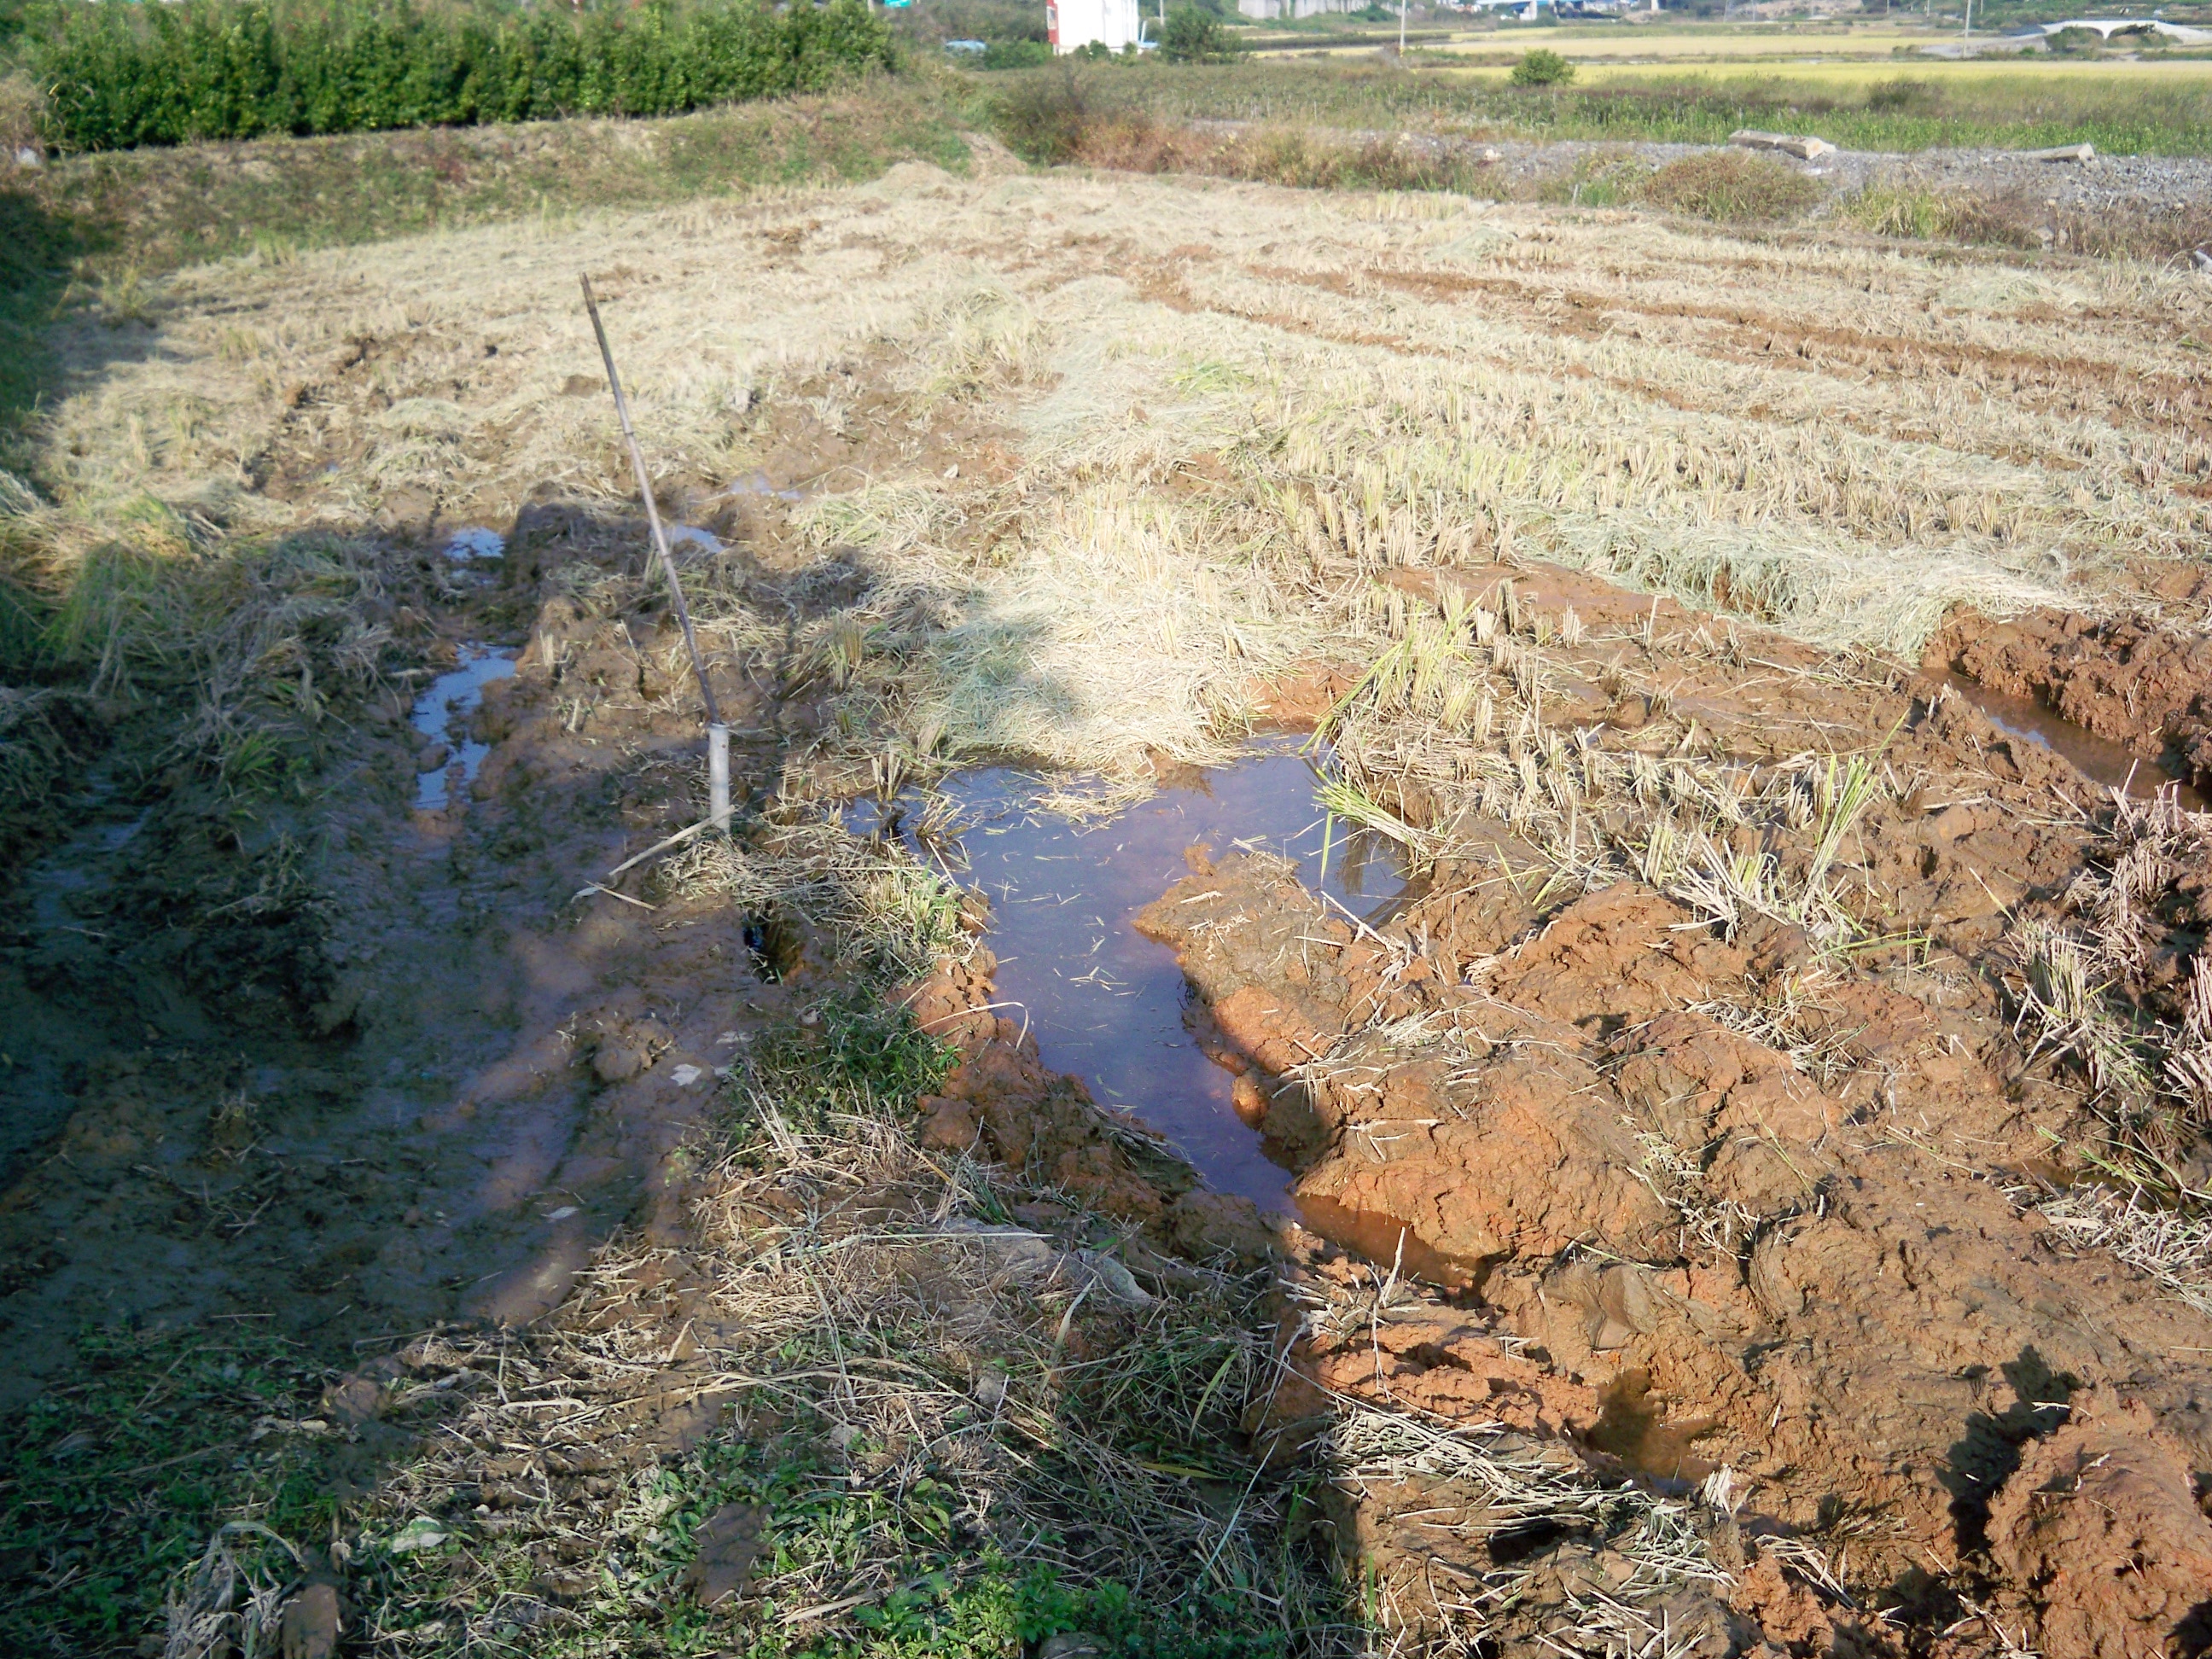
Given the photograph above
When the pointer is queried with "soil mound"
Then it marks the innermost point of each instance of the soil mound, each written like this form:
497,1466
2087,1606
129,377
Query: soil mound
1736,1213
2133,679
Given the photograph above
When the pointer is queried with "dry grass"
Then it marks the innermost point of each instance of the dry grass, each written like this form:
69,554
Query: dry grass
893,916
1416,759
2084,978
2087,995
22,103
2166,1236
939,1385
1121,589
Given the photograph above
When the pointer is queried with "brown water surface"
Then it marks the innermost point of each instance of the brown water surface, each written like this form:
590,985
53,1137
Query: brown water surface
1632,1425
1102,1001
2098,759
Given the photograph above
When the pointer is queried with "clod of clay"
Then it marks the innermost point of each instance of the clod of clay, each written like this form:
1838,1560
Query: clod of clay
729,1542
311,1625
2102,1517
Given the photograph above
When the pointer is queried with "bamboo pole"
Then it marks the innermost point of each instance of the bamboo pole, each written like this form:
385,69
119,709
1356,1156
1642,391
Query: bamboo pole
717,734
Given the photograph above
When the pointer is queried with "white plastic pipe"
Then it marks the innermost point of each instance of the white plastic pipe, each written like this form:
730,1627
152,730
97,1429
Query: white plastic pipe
718,777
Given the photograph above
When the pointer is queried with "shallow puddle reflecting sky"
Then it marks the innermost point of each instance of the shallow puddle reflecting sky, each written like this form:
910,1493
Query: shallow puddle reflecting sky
1106,1003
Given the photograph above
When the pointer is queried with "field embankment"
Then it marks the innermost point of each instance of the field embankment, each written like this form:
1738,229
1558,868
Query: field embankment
1787,1083
1905,106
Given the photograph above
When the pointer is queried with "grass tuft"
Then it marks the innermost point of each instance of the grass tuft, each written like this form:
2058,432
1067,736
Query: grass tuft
1731,186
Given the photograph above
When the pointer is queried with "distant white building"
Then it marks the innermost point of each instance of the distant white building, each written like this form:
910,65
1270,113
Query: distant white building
1072,25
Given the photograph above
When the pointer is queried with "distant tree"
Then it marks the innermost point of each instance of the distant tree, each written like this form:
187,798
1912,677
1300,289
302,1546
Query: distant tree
1542,68
1192,36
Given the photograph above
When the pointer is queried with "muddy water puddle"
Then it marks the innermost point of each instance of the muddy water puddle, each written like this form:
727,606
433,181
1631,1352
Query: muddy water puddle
1105,1003
2098,759
1634,1425
757,483
441,714
474,544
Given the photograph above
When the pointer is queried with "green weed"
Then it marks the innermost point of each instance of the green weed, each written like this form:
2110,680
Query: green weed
110,1486
959,1596
851,1054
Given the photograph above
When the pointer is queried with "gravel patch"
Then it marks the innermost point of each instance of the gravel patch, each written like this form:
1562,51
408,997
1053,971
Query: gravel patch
2141,184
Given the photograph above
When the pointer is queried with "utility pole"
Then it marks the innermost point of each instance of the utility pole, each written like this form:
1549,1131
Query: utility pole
1401,28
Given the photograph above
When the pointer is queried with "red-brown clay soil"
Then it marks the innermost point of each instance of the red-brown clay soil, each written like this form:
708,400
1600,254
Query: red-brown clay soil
1815,1259
2137,679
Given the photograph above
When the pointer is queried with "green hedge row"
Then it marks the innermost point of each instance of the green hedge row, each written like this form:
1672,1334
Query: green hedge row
120,75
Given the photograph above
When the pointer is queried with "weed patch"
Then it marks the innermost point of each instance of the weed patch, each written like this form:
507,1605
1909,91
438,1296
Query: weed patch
2016,220
1730,186
849,1053
113,1485
1045,118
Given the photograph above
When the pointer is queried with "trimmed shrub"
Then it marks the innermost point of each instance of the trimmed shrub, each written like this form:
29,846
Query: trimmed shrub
1542,68
125,75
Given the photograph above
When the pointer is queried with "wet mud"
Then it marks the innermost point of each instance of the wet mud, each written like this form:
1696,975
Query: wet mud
1685,1204
2139,685
443,715
427,1064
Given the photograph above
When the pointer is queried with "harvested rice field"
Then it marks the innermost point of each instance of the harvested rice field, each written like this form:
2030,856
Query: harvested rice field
1449,928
